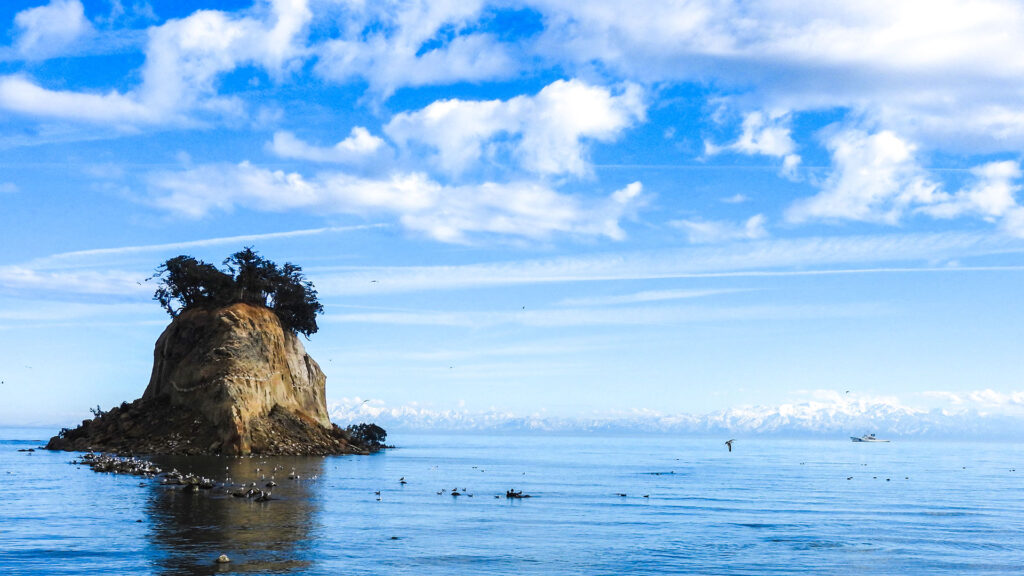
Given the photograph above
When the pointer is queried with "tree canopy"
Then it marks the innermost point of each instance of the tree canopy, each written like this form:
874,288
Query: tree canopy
187,283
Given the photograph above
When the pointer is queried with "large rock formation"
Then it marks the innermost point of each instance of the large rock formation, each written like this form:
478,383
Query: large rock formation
228,380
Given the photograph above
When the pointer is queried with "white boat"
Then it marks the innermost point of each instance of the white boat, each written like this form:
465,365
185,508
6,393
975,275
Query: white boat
866,438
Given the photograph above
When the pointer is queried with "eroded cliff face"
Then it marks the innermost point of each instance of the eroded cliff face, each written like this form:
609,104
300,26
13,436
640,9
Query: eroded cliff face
229,380
234,365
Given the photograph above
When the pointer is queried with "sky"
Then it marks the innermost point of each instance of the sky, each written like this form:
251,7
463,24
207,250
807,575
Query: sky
536,208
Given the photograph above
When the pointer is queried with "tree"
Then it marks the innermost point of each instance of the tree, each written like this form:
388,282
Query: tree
187,283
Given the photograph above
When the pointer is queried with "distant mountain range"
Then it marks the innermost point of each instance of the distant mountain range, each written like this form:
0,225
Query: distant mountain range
811,418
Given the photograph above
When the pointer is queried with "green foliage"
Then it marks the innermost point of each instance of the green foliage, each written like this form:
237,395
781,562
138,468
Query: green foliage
369,435
187,283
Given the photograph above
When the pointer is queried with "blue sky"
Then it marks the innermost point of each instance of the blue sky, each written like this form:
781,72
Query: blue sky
538,207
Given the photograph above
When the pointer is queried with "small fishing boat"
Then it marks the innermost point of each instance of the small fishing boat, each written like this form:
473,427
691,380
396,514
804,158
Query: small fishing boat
866,438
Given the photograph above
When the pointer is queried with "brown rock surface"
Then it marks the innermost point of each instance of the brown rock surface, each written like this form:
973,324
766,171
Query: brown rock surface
229,380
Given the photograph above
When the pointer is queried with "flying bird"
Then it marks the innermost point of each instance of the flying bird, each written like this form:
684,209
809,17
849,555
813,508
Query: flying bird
729,443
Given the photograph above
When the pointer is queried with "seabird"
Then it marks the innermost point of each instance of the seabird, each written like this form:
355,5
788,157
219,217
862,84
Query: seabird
729,443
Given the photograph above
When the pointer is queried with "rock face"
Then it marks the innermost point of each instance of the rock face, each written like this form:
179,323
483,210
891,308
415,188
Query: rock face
234,365
229,380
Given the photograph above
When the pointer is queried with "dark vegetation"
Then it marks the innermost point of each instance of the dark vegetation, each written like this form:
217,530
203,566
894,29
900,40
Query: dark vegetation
143,427
369,435
187,283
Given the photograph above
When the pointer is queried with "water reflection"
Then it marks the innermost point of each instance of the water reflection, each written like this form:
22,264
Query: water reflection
190,530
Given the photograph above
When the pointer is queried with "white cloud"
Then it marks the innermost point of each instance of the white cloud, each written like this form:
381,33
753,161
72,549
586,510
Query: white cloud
92,282
617,316
934,71
184,59
19,94
875,178
8,188
764,134
991,196
113,272
445,213
358,147
544,133
760,258
393,44
712,231
645,296
105,254
48,31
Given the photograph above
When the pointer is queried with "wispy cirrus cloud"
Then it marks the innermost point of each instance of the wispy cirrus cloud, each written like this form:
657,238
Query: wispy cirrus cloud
103,255
714,231
880,254
645,296
114,273
610,316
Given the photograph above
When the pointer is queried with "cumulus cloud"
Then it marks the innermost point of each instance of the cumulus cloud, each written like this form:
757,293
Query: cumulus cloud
359,146
184,59
544,134
445,213
712,231
48,31
932,71
413,43
875,178
990,196
763,134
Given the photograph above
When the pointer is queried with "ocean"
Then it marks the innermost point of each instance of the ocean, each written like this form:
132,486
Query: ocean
599,505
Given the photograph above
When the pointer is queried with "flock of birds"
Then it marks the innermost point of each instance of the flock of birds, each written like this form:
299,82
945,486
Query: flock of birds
261,491
249,489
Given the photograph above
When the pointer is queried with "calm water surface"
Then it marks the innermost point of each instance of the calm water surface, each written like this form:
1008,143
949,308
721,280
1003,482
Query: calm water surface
690,507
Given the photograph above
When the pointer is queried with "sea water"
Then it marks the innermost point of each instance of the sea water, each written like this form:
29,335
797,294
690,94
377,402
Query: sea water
598,505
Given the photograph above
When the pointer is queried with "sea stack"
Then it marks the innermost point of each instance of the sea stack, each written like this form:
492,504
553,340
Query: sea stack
225,380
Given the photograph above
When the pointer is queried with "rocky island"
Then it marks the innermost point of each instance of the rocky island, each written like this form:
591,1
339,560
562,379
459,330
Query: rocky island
230,375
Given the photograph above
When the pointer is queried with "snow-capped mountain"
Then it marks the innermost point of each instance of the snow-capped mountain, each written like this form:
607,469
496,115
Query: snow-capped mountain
834,417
